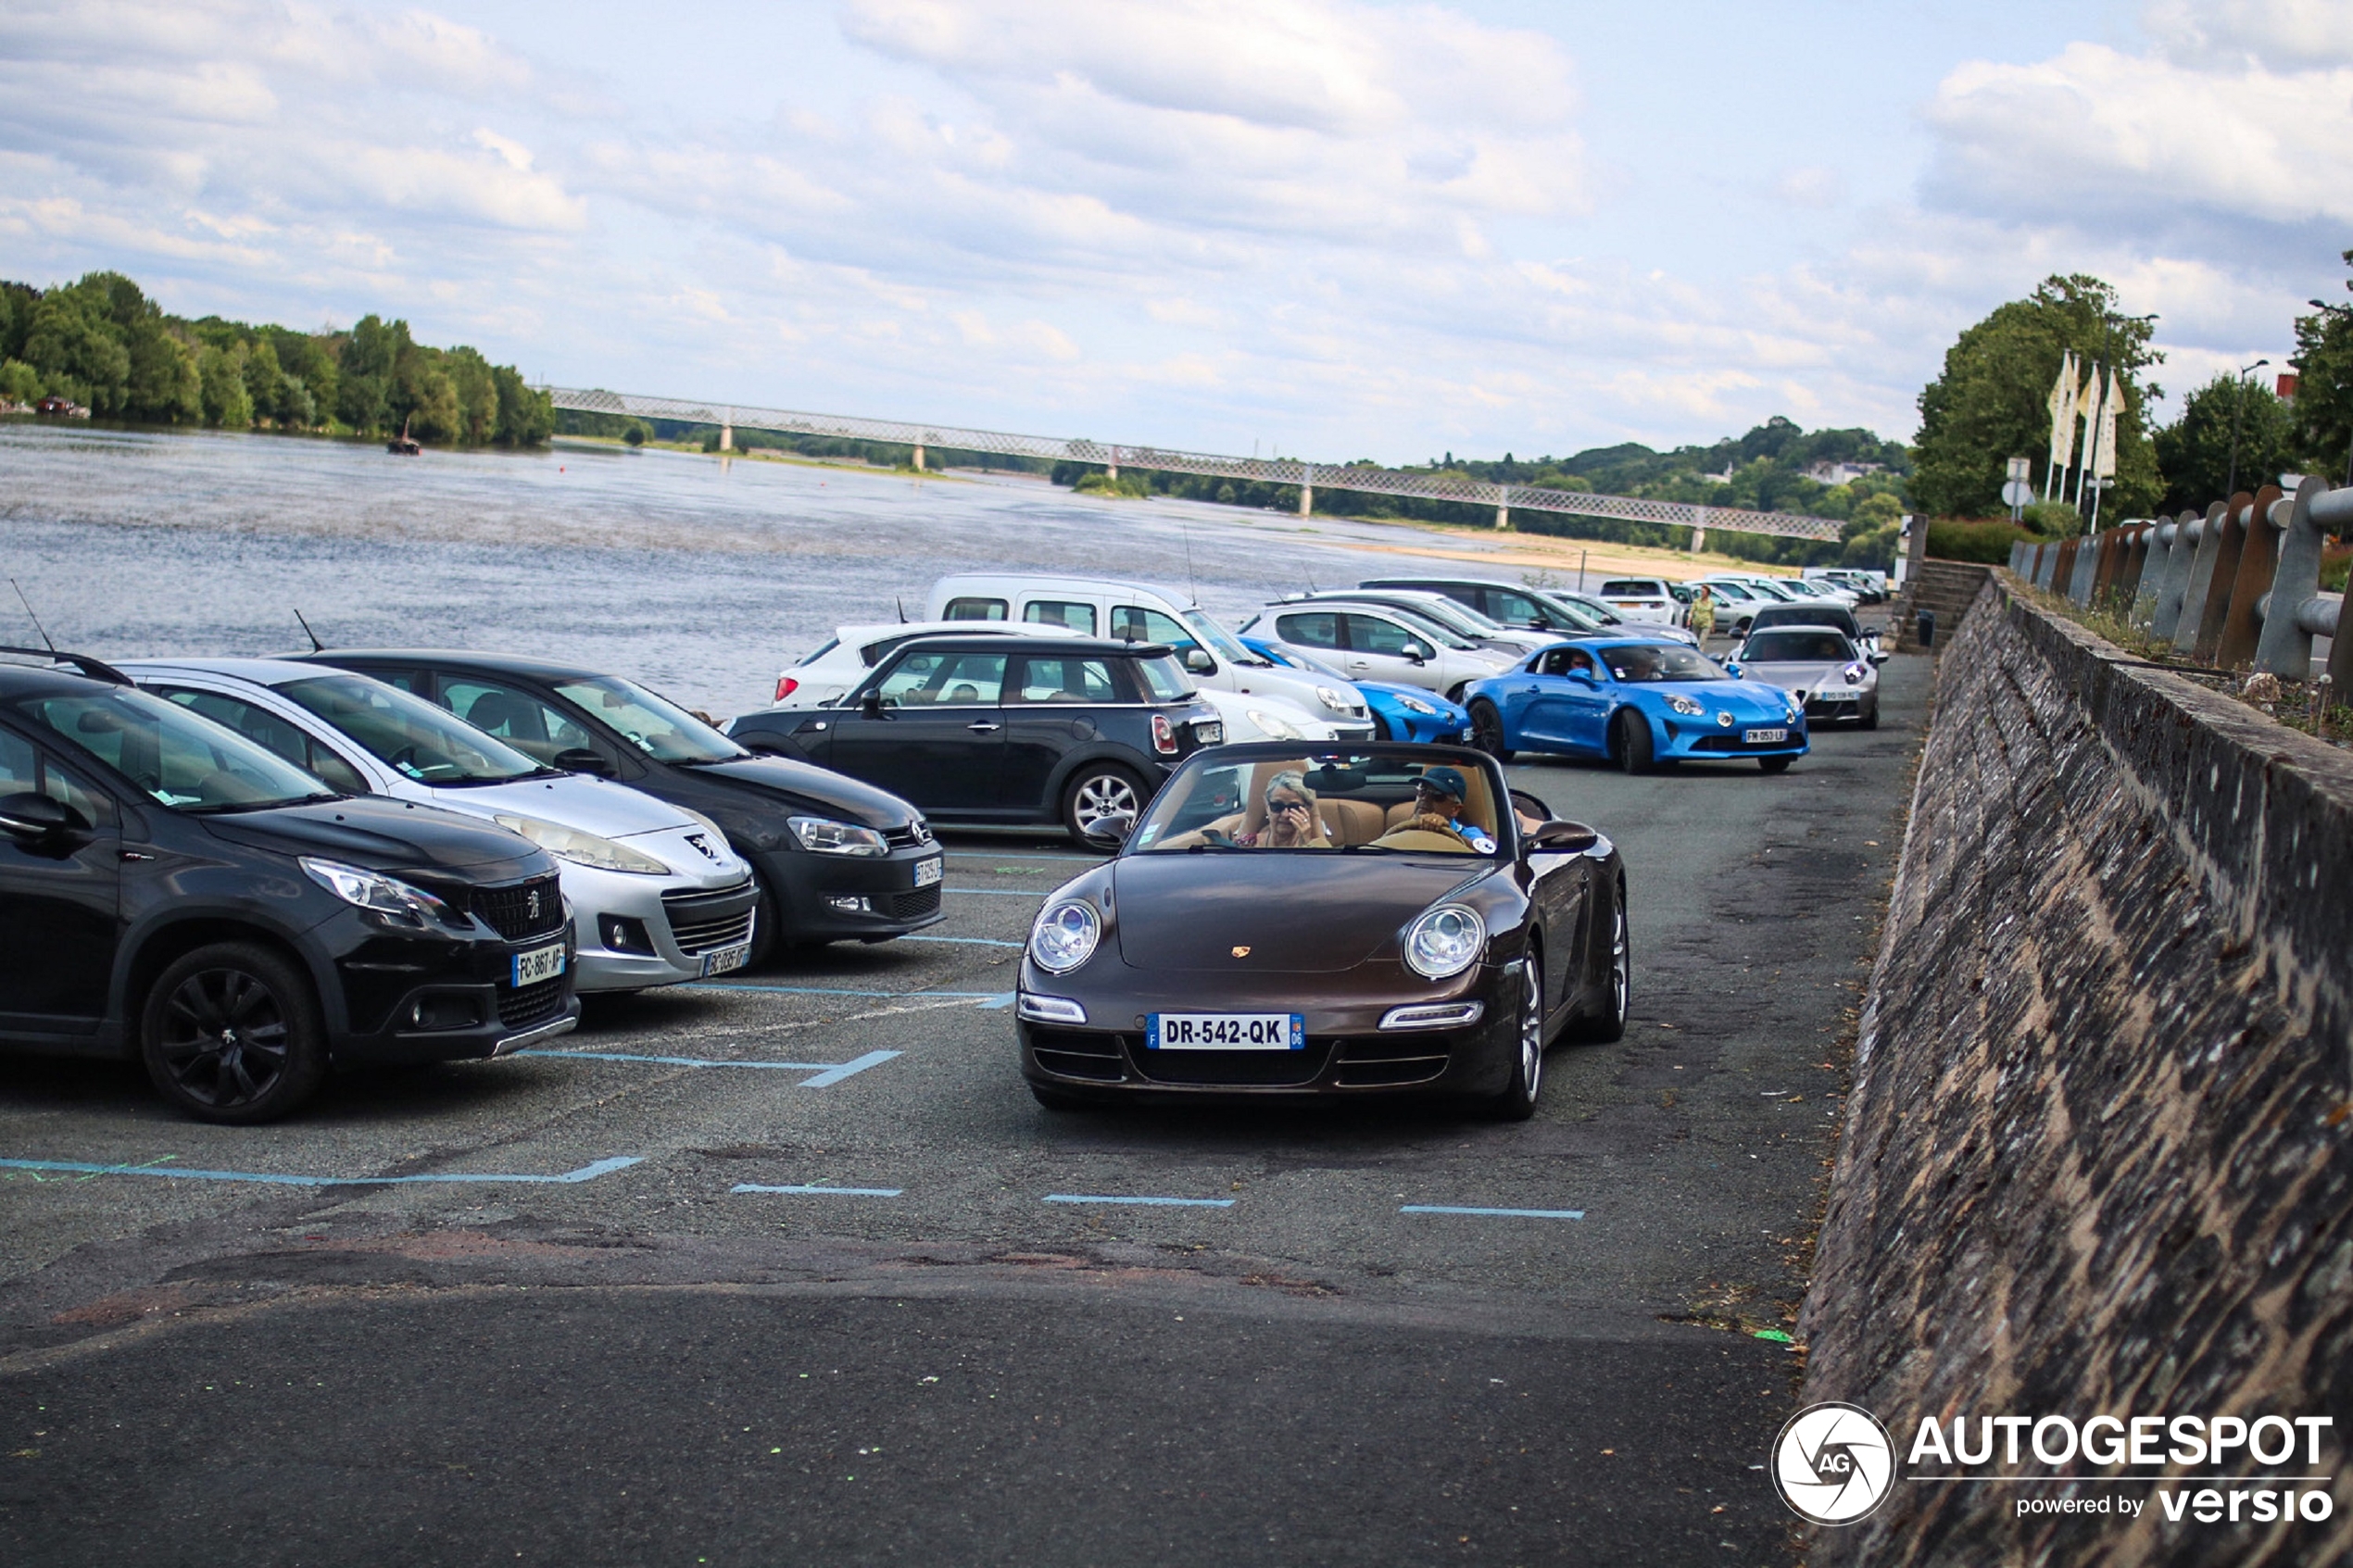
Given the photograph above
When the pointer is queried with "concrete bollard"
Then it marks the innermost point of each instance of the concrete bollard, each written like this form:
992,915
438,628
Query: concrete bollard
1924,628
2201,579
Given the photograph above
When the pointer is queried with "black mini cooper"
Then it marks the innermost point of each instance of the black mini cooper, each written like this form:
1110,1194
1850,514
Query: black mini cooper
1074,731
170,891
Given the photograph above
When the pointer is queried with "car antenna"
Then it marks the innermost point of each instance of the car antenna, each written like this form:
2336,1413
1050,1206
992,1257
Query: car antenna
45,641
1193,588
316,645
901,605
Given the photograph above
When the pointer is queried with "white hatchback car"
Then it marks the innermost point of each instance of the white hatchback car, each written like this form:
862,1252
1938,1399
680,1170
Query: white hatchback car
624,857
1644,599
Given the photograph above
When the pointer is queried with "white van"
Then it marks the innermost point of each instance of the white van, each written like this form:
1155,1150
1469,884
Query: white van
1095,607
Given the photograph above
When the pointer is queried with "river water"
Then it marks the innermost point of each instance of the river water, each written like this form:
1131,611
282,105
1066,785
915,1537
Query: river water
697,576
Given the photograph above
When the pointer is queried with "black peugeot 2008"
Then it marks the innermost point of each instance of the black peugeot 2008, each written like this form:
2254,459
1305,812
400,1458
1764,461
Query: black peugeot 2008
171,892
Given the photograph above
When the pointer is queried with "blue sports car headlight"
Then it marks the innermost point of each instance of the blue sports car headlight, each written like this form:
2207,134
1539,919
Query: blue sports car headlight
1444,941
1686,707
1414,705
1064,936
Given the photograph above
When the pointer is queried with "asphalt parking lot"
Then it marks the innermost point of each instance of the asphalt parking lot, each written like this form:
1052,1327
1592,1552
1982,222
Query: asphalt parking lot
791,1267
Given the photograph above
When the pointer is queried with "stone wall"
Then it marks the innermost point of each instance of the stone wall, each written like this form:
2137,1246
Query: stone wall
2096,1155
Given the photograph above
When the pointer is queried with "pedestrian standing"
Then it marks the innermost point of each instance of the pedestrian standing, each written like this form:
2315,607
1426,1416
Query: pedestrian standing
1703,615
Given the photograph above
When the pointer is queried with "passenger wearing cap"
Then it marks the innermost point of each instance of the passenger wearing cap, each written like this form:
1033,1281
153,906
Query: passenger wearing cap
1437,807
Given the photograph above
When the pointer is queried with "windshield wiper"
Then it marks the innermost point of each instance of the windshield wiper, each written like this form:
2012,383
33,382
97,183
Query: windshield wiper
227,807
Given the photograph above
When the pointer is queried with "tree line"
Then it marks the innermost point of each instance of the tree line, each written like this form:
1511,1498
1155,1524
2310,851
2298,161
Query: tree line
1990,404
102,344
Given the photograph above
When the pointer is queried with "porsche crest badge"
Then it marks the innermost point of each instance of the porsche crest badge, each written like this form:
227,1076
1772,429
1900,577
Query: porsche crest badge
1242,952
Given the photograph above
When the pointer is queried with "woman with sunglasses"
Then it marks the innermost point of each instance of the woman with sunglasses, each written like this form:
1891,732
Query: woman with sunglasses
1292,822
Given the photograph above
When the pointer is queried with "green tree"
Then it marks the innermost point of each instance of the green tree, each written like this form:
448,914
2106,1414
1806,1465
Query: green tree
363,398
165,386
222,373
20,382
1990,403
2323,361
525,418
17,301
2195,449
265,381
78,351
423,400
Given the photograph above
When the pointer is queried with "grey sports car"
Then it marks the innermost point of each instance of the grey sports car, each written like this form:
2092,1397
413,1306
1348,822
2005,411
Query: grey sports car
1837,681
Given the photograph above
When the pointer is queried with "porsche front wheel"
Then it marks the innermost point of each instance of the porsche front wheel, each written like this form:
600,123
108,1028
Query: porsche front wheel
1486,730
1518,1100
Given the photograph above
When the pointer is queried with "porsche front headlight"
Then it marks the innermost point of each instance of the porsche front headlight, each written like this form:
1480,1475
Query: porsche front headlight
581,849
1064,936
1444,941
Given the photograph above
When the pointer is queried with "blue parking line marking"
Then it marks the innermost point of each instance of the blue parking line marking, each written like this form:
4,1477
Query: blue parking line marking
999,1002
964,941
828,1073
1154,1202
997,892
587,1173
820,1191
832,991
1505,1213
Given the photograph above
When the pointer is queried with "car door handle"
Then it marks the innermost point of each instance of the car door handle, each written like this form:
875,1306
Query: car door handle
983,727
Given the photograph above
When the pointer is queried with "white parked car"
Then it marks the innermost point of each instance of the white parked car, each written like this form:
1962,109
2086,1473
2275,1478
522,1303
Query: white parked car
1645,600
621,853
1375,642
1515,643
1142,612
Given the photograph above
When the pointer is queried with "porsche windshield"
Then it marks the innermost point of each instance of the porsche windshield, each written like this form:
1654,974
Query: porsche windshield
1328,804
1648,662
1799,647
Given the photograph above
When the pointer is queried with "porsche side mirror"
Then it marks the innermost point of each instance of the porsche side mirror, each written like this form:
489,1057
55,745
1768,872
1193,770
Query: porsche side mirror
871,705
1111,832
33,818
579,759
1876,656
1198,662
1563,838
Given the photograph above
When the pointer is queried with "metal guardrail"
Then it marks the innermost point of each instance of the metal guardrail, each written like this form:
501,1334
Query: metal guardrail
1308,477
2237,588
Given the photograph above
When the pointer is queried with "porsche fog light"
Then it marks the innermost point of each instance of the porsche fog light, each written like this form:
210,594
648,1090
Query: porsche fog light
1444,941
1064,936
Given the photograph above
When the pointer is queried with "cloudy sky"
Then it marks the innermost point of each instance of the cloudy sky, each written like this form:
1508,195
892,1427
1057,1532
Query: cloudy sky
1330,228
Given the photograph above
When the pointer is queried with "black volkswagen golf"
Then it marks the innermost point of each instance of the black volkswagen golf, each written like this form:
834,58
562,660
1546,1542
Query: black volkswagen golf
833,858
170,891
973,730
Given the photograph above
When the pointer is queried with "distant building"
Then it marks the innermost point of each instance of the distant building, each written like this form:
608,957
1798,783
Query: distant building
2288,383
1841,474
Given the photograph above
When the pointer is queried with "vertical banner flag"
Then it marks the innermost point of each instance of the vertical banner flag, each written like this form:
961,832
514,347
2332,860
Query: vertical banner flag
2062,423
2088,408
2104,465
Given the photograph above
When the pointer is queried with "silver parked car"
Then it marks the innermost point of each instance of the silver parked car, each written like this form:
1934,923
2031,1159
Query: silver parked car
1819,665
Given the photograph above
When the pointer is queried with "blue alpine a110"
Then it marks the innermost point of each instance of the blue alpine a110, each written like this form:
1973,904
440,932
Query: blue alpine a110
1635,702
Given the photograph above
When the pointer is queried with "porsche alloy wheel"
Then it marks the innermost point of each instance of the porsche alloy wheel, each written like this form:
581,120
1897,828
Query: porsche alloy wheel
1518,1100
1610,1023
1098,794
1486,730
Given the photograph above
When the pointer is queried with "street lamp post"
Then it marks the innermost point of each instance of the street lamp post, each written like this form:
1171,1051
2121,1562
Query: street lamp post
2238,406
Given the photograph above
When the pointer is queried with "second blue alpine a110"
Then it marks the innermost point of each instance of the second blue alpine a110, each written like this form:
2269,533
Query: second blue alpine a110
1636,702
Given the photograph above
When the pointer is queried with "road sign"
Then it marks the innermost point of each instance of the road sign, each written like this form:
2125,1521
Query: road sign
2017,492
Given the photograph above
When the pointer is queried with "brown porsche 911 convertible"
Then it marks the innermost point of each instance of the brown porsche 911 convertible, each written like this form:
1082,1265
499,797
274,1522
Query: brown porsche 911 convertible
1381,919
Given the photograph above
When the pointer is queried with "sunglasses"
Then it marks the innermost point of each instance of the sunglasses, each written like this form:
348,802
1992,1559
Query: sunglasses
1300,806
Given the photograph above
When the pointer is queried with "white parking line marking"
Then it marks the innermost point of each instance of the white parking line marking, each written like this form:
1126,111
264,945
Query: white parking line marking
820,1191
588,1173
964,941
1156,1202
1505,1213
828,1073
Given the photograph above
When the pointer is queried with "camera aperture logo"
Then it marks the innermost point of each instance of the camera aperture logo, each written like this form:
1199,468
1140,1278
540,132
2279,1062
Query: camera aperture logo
1833,1463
